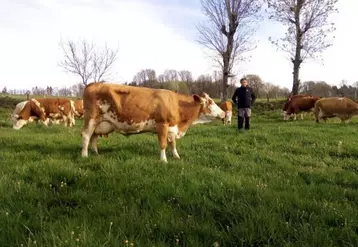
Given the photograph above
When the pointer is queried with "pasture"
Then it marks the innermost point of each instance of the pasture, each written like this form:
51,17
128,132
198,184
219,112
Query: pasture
280,184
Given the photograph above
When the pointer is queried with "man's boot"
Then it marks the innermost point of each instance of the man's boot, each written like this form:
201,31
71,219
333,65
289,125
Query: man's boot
240,122
247,123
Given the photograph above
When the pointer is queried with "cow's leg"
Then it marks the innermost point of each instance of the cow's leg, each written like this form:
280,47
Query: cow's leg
162,132
86,133
301,115
65,120
93,143
172,133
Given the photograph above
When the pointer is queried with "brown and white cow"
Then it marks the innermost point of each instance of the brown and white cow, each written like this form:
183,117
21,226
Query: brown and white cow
291,97
299,105
133,110
341,107
226,106
32,118
44,109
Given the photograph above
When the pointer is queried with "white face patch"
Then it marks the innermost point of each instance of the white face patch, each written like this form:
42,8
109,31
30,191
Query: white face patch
228,116
19,124
19,107
215,111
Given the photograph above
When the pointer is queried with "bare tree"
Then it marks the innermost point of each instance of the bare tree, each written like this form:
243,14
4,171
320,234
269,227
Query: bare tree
161,78
307,31
255,82
269,88
151,75
228,32
171,75
186,76
87,61
78,89
4,90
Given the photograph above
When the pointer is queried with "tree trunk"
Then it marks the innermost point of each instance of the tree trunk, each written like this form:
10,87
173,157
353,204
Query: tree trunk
225,85
297,60
296,80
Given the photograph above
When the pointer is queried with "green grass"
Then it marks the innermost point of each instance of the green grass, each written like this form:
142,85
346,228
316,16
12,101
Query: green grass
281,184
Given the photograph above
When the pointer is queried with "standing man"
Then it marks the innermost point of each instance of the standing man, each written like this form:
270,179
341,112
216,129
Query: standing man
244,97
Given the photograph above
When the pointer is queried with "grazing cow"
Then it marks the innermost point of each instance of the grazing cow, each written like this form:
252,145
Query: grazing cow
44,109
32,118
300,104
226,106
341,107
289,99
78,105
133,110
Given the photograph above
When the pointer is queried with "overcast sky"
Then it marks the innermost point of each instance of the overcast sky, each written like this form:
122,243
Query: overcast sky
158,34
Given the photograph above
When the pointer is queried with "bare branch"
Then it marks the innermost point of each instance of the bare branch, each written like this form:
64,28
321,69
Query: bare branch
307,29
228,31
84,60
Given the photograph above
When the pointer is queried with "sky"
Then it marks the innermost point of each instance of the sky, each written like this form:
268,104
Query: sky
157,34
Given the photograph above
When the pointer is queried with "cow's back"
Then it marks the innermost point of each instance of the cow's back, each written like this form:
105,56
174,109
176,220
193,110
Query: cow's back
340,105
131,104
293,99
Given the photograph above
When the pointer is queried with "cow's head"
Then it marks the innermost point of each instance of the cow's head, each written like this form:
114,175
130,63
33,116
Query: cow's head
18,122
209,109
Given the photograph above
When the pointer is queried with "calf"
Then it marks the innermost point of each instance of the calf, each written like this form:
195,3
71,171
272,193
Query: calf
226,106
133,110
341,107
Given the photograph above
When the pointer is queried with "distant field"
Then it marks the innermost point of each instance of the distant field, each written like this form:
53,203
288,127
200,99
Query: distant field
281,184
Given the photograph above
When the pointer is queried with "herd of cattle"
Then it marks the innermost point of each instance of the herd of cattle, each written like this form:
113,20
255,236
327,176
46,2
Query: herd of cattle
129,110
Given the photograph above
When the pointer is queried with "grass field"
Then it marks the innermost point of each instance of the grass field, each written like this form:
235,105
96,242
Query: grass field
281,184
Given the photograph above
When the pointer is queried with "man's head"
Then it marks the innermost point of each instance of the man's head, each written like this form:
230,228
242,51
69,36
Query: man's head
243,82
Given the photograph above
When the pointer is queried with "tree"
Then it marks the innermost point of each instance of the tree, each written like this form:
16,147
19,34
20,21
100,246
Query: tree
255,82
4,90
269,88
170,75
307,30
78,89
87,61
228,32
185,76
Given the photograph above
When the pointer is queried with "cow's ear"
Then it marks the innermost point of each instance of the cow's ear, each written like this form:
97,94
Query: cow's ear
197,98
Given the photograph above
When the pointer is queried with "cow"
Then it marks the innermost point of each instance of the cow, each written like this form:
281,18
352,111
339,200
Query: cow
291,97
226,106
32,118
341,107
78,108
44,109
133,110
299,105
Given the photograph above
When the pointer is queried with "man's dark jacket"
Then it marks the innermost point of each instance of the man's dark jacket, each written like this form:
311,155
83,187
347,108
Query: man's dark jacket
244,97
